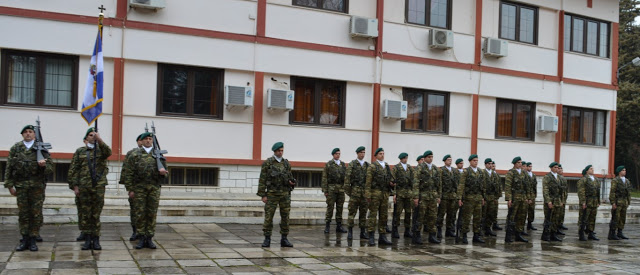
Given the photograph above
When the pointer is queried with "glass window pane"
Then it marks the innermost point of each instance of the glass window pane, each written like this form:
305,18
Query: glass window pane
416,11
435,113
578,35
330,102
193,176
508,27
208,177
334,5
565,123
176,176
574,126
567,32
527,25
604,40
205,99
308,3
304,101
523,121
438,14
587,127
592,37
174,90
58,81
21,80
505,119
600,128
415,114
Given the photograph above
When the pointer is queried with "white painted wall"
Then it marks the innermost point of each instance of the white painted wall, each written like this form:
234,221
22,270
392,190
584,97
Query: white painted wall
414,144
365,8
80,7
519,88
527,58
503,151
403,74
575,157
463,20
602,9
587,67
588,97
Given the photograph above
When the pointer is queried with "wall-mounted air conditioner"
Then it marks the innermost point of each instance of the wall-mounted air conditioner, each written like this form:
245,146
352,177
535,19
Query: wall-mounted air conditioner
147,4
280,99
238,96
395,109
495,47
548,124
363,27
440,39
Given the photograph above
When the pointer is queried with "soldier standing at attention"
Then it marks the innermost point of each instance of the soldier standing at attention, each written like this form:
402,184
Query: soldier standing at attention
143,184
553,196
493,193
87,179
275,185
448,203
427,193
516,194
565,190
132,213
333,189
533,194
25,178
420,160
620,198
354,183
377,189
589,196
471,195
499,182
403,175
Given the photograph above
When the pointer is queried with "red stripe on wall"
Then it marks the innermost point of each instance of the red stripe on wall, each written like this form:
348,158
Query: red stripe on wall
478,35
116,118
257,115
612,142
121,9
474,124
614,54
589,3
558,137
561,44
375,128
261,24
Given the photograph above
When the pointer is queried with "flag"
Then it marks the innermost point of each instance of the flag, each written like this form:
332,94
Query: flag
92,103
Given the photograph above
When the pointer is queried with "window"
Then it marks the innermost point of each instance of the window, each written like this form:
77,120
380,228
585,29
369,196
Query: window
308,179
428,111
332,5
432,13
39,79
518,22
586,35
192,176
318,101
190,91
515,119
3,166
60,173
584,126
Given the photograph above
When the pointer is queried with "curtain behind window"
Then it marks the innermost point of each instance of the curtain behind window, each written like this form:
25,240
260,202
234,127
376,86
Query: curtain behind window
22,79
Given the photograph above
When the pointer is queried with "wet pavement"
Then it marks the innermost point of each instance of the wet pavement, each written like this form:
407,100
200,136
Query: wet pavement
235,249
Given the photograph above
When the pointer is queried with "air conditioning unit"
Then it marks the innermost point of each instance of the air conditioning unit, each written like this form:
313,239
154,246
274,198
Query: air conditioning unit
440,39
363,27
147,4
495,47
238,96
548,124
395,109
280,99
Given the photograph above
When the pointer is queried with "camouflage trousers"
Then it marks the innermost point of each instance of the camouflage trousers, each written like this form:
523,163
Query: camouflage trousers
30,201
561,212
146,200
91,202
334,199
427,214
531,210
519,214
378,209
77,201
490,213
403,204
275,200
471,208
591,212
132,213
357,205
620,214
448,207
552,217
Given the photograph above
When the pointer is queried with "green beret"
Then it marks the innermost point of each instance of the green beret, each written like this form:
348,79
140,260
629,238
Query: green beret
528,163
619,169
584,171
559,165
487,160
403,155
335,150
553,164
459,161
139,138
28,126
474,156
427,153
145,135
88,132
446,157
419,157
277,146
378,151
360,149
516,159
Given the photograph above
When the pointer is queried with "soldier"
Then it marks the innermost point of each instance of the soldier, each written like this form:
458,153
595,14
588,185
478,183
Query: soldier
333,189
589,196
620,198
143,184
448,203
25,178
516,194
565,190
276,183
471,194
88,178
132,213
553,195
403,177
420,160
377,189
493,168
427,193
533,194
460,165
354,183
493,192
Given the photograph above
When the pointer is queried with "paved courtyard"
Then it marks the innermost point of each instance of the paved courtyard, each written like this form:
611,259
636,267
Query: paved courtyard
235,249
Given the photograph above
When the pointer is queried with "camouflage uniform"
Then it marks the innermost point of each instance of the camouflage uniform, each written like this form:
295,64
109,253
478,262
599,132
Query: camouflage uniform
428,190
471,191
516,190
564,187
91,198
333,185
404,194
493,192
532,184
132,213
143,179
553,193
377,190
449,201
24,174
354,183
620,195
274,184
589,194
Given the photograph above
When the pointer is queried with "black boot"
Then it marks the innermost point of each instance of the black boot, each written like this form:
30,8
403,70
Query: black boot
530,227
33,246
387,229
80,237
621,236
350,231
524,233
142,240
450,233
560,232
464,239
519,238
433,239
340,229
383,239
477,238
284,242
38,238
592,236
554,238
407,233
581,235
496,227
267,241
96,243
363,234
546,235
24,243
326,228
394,233
439,232
489,232
372,239
563,227
612,235
134,236
87,242
417,238
150,243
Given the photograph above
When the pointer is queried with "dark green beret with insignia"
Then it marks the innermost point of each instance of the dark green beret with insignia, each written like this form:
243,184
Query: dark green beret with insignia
459,161
360,149
474,156
619,169
378,151
559,165
487,160
28,126
446,157
553,164
89,132
145,135
584,171
403,155
529,163
139,138
419,157
277,146
516,159
427,153
335,150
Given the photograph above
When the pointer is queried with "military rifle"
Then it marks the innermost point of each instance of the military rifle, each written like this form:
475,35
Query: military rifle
42,148
459,223
156,152
509,231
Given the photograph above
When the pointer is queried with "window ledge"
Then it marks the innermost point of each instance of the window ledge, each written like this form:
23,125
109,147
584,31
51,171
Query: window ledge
514,140
45,108
311,9
585,145
587,55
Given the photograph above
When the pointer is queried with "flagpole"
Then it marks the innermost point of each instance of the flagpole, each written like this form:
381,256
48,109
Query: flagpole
95,141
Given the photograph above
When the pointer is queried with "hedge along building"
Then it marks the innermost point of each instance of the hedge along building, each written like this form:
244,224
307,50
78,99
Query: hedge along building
170,65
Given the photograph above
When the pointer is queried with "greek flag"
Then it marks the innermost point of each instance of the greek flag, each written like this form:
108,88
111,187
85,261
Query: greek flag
92,103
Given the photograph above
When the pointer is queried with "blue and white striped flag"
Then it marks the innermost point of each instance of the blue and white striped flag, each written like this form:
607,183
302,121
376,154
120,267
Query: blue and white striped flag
92,103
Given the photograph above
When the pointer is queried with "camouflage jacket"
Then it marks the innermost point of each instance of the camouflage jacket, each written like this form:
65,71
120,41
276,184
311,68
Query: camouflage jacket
471,185
355,178
620,191
22,167
124,166
532,185
565,187
589,191
275,177
404,180
552,190
428,183
492,186
378,179
142,170
333,177
79,173
450,181
515,186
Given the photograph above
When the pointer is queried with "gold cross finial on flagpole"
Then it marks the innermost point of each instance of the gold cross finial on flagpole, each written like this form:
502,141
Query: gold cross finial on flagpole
102,8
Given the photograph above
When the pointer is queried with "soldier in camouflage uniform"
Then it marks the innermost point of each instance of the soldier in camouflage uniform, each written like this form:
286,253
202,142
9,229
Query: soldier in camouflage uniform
89,185
427,192
471,194
565,190
354,182
589,196
402,175
516,194
132,213
448,203
493,167
274,187
532,181
553,196
493,192
420,160
620,198
377,189
143,179
25,178
333,189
